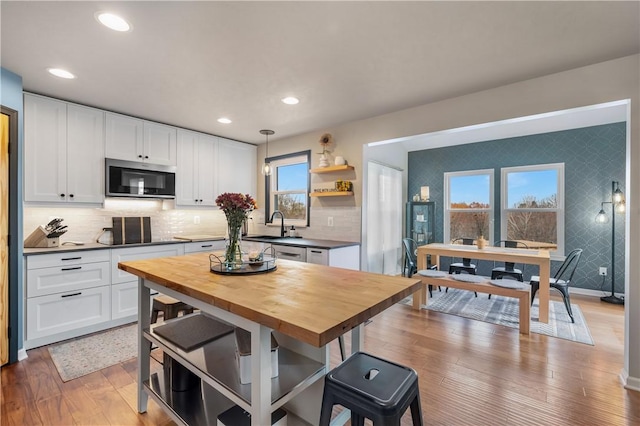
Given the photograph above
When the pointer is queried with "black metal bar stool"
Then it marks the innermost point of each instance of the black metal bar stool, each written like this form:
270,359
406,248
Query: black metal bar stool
169,307
372,388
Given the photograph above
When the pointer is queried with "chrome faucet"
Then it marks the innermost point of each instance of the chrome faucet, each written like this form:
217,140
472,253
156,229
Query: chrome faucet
281,221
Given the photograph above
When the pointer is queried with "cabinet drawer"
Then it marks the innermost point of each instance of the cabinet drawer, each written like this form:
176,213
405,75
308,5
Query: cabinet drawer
201,246
47,315
317,256
67,258
290,253
139,253
124,300
59,279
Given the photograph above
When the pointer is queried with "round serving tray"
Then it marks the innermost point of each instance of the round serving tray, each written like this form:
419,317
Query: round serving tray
219,266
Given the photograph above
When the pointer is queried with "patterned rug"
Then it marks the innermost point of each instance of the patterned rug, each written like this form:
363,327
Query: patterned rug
84,355
504,311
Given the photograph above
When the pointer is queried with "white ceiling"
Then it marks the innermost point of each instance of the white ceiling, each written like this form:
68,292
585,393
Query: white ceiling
189,63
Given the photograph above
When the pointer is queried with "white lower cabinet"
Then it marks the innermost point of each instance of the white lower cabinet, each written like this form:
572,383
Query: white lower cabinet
62,312
318,256
290,252
139,253
203,246
124,300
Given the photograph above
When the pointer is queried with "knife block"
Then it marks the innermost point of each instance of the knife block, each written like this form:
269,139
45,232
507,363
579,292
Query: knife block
38,238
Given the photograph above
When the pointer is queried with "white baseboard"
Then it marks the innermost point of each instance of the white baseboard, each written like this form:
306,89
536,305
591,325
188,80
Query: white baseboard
631,383
22,354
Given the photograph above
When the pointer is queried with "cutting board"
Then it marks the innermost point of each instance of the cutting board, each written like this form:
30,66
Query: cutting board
198,237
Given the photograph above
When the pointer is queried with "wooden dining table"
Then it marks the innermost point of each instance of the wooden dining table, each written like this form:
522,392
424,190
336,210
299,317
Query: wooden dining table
541,258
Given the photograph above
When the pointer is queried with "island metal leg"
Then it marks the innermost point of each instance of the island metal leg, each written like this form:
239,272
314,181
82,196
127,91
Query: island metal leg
144,348
260,375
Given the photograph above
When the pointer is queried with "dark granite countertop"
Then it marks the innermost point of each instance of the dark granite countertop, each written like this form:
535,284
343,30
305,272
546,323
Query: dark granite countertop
301,242
94,246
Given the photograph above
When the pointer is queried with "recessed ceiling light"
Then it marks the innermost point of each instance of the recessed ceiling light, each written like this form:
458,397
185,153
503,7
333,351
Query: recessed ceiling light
224,120
112,21
61,73
290,100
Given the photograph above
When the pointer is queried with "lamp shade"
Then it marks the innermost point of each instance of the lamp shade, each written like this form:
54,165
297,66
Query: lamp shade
602,217
266,167
424,193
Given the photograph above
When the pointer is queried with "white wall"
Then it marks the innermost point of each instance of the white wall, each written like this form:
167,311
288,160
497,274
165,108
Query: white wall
594,84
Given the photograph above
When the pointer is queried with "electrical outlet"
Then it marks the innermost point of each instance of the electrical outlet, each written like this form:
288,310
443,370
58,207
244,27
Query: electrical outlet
196,220
330,221
602,271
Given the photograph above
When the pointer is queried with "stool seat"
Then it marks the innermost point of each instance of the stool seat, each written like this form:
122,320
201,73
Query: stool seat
372,388
169,306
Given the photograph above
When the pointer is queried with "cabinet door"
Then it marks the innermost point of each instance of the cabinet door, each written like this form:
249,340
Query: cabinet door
85,154
124,300
236,167
60,279
187,169
45,149
159,144
317,256
137,253
207,173
123,137
56,313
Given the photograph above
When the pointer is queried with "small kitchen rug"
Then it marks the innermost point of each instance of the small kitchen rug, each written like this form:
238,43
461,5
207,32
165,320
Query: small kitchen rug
504,311
84,355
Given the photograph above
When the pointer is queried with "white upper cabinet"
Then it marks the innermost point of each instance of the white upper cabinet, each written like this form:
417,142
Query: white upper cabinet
237,167
196,171
133,139
64,152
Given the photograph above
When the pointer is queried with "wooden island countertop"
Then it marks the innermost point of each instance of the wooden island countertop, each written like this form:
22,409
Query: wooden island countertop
311,303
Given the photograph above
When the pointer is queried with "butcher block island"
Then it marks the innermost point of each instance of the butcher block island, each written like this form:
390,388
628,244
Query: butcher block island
304,306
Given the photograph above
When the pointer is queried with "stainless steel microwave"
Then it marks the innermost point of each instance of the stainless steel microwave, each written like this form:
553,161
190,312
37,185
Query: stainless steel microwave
139,180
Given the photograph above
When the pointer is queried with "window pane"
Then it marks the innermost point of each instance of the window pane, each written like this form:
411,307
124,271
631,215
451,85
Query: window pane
293,206
469,225
532,226
469,191
535,189
292,177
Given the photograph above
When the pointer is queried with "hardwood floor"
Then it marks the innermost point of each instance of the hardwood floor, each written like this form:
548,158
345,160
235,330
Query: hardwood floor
470,372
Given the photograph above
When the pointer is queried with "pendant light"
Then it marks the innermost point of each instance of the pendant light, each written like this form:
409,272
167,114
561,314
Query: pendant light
266,167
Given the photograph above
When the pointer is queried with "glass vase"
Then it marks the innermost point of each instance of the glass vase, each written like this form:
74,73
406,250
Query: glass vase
233,252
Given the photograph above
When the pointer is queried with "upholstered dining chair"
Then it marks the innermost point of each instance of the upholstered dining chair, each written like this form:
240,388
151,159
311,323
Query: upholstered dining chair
561,280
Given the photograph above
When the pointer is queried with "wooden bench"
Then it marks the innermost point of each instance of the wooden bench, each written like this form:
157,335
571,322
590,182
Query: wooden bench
523,295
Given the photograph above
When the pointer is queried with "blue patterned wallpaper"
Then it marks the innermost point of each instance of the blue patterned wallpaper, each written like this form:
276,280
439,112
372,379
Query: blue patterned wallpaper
593,158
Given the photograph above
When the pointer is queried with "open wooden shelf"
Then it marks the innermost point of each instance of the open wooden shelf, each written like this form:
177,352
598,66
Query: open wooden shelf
331,194
330,169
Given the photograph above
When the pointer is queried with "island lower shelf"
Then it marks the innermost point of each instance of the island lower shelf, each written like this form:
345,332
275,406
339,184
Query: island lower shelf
215,363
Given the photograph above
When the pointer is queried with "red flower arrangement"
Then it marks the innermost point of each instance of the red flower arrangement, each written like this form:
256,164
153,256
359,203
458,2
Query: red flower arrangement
236,208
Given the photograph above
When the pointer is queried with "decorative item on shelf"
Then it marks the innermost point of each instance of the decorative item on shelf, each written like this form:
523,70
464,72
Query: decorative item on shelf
326,140
481,242
617,206
343,185
266,167
416,197
424,193
236,208
340,161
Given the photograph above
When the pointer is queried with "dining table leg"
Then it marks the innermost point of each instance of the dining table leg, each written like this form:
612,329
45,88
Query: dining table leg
544,291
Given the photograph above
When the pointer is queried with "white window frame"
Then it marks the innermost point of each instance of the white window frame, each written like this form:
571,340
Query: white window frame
272,192
560,210
447,202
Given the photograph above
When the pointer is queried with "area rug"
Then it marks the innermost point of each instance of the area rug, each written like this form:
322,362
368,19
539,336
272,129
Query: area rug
504,311
78,357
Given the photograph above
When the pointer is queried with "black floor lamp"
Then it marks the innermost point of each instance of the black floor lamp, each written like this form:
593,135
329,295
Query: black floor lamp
617,206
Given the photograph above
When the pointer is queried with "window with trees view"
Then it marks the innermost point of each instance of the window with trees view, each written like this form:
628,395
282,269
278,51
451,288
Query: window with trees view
287,188
468,209
533,205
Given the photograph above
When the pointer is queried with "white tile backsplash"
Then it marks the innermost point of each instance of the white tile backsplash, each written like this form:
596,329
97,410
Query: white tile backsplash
85,224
